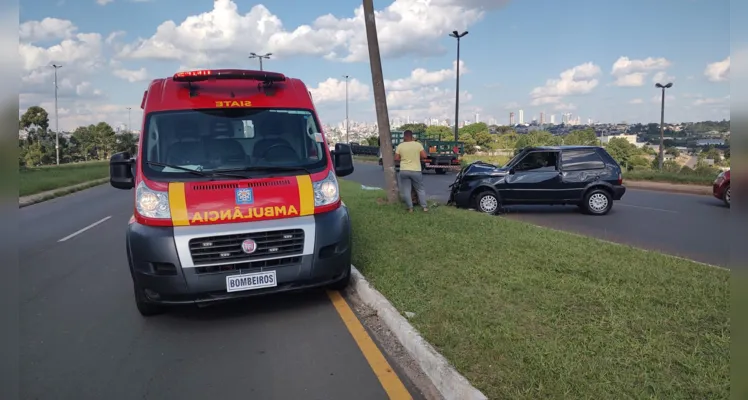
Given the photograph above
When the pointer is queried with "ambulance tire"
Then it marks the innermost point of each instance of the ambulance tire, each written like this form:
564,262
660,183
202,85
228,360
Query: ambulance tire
145,308
343,282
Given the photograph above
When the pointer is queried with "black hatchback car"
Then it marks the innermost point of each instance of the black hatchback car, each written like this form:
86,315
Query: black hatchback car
586,176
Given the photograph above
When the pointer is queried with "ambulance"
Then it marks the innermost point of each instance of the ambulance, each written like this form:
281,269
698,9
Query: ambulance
236,191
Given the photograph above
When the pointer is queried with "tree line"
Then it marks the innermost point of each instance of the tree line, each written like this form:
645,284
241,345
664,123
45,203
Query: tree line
96,142
478,137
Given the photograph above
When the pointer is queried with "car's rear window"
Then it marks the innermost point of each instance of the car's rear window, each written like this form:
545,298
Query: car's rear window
577,160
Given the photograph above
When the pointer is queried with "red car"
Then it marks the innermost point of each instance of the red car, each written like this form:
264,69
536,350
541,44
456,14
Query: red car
721,187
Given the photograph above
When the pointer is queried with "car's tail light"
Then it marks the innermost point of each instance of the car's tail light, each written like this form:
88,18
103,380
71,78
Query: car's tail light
620,179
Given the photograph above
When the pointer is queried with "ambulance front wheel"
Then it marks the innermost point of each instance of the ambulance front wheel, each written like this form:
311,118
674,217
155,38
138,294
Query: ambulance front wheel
343,282
146,308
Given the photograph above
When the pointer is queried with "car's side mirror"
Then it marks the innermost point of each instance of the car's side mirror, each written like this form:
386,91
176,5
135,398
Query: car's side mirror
512,171
343,159
120,171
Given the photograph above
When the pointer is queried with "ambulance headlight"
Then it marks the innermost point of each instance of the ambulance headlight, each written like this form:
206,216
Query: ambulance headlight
152,203
326,191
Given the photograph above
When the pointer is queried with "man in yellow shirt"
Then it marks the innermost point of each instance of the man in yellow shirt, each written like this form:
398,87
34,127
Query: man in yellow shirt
410,153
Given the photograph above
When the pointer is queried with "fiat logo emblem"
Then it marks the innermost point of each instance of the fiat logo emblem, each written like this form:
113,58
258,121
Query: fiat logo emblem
249,246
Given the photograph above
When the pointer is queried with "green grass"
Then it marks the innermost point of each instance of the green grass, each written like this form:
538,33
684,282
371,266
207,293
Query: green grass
365,158
670,177
37,180
531,313
495,160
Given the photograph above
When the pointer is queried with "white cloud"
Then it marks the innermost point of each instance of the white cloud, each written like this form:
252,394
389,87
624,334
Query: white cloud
333,90
658,99
132,76
46,29
104,2
565,107
405,28
718,71
632,73
662,77
712,101
636,101
575,81
420,77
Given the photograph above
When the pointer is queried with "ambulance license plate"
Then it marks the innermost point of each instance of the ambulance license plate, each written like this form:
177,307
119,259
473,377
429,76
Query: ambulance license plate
255,280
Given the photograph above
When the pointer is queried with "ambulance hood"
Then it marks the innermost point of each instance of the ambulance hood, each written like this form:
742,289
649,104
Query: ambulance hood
228,201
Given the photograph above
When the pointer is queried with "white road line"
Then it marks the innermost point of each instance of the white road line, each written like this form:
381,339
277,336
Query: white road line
76,233
647,208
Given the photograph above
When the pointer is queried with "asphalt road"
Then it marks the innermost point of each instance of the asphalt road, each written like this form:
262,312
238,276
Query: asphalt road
82,337
689,226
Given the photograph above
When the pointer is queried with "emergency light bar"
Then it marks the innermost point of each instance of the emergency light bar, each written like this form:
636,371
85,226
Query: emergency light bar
210,74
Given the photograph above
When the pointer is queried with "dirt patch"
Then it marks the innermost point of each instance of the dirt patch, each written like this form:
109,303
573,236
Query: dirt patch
669,187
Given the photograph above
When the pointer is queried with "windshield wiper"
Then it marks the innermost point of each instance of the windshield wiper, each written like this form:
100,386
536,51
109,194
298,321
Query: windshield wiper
210,174
265,168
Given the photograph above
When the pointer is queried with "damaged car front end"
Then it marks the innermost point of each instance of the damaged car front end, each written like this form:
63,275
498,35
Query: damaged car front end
475,187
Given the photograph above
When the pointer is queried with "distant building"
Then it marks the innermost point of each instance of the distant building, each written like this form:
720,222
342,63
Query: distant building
511,119
521,116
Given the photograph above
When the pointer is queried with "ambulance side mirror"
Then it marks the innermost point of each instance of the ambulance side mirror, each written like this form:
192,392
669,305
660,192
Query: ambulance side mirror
120,171
342,159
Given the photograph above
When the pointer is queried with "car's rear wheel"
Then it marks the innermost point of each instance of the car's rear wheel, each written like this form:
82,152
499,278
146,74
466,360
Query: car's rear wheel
597,202
146,308
726,197
488,202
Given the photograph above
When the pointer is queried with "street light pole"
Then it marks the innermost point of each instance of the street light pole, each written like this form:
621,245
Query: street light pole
662,122
347,135
457,36
57,118
260,57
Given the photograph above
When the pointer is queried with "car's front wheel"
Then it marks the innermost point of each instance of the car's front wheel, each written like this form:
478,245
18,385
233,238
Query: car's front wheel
726,197
488,202
597,202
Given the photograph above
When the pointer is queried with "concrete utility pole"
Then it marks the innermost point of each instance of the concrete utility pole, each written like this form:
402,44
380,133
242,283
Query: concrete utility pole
662,123
57,118
380,102
347,137
260,57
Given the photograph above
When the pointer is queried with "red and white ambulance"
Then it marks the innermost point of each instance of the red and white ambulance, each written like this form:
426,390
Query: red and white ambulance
236,191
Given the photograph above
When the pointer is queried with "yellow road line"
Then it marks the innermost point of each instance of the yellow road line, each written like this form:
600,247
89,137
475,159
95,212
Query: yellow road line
387,377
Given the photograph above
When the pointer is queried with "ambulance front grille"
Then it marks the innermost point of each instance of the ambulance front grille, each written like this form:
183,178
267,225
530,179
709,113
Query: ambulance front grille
222,186
227,249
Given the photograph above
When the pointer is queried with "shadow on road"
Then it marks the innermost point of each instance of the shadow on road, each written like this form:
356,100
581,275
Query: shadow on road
275,304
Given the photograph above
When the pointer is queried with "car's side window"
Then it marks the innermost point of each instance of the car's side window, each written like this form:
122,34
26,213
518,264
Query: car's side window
540,161
578,160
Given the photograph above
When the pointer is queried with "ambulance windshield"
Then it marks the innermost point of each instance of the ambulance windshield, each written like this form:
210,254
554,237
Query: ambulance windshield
231,140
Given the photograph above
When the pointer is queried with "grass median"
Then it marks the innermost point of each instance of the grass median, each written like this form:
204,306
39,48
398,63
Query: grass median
41,179
526,312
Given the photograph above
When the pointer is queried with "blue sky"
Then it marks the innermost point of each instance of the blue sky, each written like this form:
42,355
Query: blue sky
514,55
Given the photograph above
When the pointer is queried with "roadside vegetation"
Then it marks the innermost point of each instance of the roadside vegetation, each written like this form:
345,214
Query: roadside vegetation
41,179
526,312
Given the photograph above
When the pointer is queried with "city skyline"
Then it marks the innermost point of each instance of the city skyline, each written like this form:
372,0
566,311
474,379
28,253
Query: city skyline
608,74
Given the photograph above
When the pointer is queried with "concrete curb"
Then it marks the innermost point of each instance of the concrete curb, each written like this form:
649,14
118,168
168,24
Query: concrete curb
32,199
449,382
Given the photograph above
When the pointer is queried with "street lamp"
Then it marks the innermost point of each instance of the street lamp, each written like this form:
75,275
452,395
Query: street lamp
662,122
260,57
457,36
347,137
57,119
